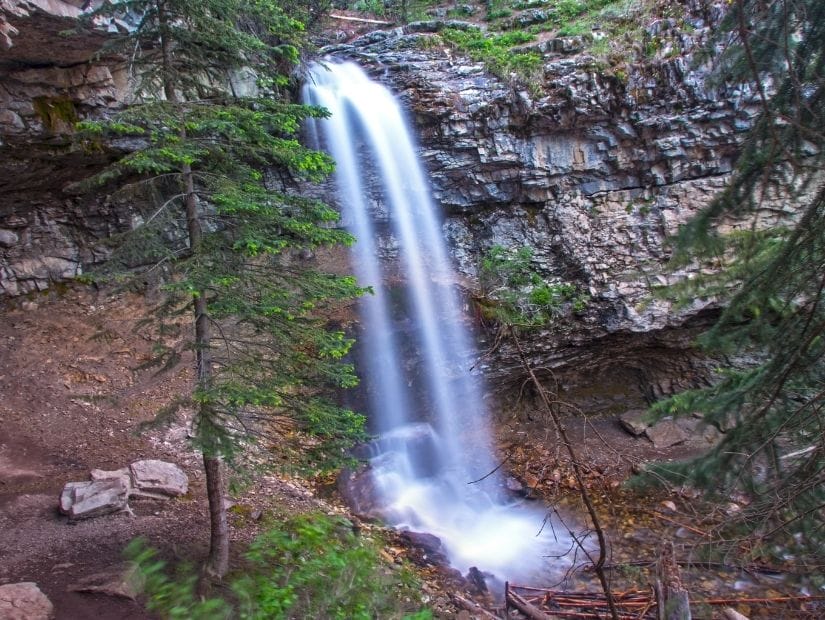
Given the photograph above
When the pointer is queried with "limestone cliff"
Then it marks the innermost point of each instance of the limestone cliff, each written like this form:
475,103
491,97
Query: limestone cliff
49,78
594,174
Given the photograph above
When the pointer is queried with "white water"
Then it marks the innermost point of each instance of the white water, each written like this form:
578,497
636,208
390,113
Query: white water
433,442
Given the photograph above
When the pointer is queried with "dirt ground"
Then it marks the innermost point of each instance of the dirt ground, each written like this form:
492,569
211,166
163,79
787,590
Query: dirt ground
71,401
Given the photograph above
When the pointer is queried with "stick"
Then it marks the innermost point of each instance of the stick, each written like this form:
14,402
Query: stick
687,527
775,599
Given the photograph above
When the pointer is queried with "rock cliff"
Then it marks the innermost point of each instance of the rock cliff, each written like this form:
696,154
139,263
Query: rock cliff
50,77
591,168
594,174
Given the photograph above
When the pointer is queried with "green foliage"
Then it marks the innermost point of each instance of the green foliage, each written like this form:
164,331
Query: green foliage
205,41
401,10
773,285
514,294
174,597
311,566
497,52
220,231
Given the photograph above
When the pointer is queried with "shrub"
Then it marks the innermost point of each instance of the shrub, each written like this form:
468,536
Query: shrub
311,566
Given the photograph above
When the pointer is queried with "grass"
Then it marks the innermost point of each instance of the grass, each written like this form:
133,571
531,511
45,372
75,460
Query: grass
612,31
499,53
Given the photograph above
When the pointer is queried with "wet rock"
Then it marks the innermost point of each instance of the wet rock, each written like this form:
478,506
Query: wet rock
430,546
153,478
422,540
24,601
477,579
634,422
515,486
83,500
357,488
666,433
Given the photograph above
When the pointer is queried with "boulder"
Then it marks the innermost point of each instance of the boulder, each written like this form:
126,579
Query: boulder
122,581
83,500
104,474
430,547
24,601
666,433
634,422
159,479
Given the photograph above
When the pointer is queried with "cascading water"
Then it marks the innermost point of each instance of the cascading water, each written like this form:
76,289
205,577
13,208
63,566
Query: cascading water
432,459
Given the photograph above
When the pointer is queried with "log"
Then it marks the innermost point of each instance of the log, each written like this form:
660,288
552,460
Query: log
672,598
362,20
524,607
474,608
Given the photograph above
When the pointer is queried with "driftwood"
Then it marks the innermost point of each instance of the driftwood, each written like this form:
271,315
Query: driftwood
631,605
672,598
474,608
533,613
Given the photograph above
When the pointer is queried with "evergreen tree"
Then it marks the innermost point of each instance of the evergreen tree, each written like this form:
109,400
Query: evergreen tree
224,230
774,282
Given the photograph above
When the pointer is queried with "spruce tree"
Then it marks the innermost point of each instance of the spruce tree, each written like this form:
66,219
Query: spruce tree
773,411
223,229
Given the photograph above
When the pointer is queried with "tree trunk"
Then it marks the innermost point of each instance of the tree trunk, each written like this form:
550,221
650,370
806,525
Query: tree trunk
217,564
553,410
672,598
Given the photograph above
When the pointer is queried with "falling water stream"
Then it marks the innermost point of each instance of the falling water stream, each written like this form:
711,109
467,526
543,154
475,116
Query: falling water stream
432,459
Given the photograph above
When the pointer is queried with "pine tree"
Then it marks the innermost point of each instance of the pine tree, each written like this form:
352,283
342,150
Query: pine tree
223,229
774,284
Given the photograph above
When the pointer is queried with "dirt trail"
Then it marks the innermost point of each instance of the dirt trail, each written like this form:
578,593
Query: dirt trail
70,402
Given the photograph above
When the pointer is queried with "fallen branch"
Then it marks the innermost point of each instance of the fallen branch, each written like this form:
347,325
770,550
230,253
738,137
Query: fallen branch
674,522
363,20
533,613
732,614
474,608
769,599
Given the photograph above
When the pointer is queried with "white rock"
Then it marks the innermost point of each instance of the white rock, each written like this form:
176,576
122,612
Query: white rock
152,477
83,500
24,601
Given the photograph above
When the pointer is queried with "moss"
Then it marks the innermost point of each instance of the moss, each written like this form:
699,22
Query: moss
57,113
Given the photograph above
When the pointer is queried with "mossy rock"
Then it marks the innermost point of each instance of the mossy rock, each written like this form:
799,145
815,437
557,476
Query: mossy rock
58,114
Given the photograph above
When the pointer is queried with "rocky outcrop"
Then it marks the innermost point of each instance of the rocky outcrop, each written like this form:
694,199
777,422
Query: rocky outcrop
46,84
595,174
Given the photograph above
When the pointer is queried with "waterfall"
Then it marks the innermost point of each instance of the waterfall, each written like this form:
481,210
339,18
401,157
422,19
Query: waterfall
432,460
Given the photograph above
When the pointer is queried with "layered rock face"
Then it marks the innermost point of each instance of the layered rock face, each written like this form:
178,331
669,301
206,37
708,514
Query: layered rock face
46,84
594,176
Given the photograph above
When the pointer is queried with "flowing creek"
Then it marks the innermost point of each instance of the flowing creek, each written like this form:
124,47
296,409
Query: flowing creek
432,460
